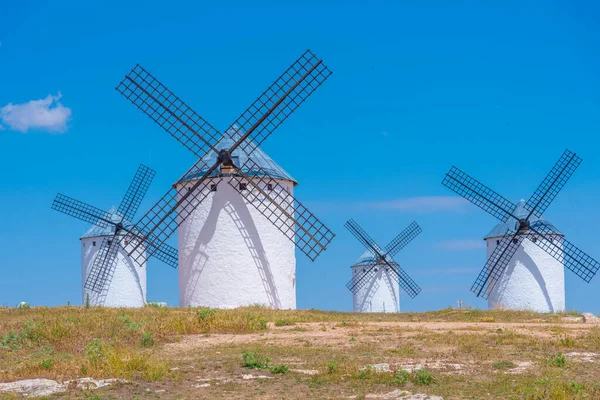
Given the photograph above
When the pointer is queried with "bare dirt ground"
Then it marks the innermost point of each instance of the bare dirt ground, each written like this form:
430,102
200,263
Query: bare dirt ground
538,357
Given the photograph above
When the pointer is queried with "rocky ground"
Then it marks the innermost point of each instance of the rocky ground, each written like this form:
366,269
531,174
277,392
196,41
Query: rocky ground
208,354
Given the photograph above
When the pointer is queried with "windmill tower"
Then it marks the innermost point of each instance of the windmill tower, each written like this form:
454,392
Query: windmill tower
376,276
110,277
526,254
235,211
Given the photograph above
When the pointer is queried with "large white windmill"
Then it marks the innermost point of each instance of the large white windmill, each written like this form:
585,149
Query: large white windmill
526,254
110,277
234,210
376,276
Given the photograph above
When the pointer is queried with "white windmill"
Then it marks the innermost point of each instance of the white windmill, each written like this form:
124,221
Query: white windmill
526,254
234,209
376,276
110,277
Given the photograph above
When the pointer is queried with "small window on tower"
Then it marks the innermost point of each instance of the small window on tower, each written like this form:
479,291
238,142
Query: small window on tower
213,187
126,242
93,243
497,242
243,186
375,269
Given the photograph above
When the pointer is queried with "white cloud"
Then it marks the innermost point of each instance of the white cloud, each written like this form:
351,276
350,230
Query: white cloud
461,244
45,114
425,204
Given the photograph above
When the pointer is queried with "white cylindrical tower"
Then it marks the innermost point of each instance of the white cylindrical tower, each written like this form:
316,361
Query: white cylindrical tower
230,254
380,293
126,285
533,280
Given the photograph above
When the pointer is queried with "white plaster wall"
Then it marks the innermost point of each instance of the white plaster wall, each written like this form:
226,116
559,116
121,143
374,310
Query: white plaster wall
533,280
230,255
380,294
127,288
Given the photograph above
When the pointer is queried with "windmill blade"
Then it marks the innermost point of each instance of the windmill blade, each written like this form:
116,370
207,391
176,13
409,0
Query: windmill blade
104,265
479,194
279,101
404,280
496,264
404,238
162,251
573,258
162,220
284,211
361,278
136,192
364,238
553,183
169,111
80,210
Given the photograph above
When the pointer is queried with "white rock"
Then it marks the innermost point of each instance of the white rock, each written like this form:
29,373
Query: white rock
202,385
250,376
33,387
379,368
305,371
91,383
402,394
589,317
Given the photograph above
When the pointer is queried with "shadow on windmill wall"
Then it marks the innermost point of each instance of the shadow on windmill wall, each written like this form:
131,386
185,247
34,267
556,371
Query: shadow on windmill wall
199,232
510,286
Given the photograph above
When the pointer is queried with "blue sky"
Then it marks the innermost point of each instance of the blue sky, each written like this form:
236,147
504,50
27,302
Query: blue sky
499,89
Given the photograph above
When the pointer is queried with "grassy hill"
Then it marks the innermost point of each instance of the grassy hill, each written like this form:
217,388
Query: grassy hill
254,352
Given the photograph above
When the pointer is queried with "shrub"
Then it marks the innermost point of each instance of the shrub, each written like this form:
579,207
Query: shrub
280,369
95,351
47,364
423,377
558,360
147,339
331,366
253,360
401,377
10,341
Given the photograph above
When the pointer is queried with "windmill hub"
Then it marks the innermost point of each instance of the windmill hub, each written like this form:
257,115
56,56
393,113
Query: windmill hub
118,227
224,158
523,225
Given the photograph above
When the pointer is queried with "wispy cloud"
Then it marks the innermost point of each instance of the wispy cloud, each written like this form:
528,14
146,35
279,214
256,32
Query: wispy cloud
461,244
46,114
424,204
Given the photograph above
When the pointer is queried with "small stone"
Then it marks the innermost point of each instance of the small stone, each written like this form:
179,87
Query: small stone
202,385
590,318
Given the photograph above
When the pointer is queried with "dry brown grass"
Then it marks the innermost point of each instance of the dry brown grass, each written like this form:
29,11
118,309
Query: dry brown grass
454,353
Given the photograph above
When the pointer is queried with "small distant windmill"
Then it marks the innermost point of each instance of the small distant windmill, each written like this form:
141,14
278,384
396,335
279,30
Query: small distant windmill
526,253
236,241
375,275
110,276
